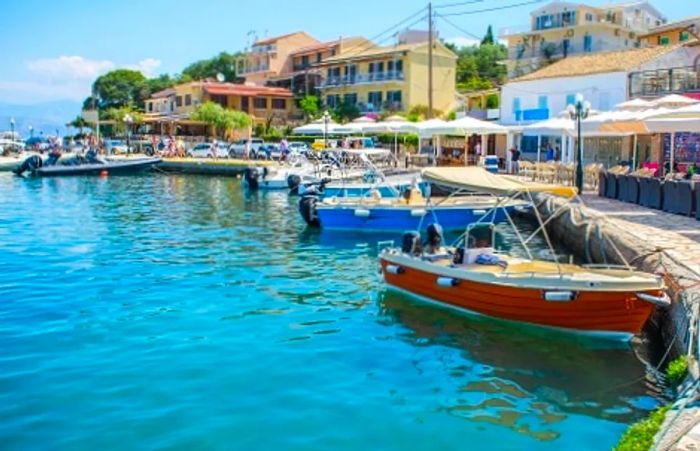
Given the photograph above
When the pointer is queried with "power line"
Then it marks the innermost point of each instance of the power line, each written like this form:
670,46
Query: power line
496,8
366,46
472,35
451,5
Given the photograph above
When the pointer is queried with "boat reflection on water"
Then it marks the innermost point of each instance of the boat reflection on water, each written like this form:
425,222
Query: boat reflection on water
523,377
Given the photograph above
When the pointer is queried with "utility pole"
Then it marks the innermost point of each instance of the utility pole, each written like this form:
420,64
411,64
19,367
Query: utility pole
430,60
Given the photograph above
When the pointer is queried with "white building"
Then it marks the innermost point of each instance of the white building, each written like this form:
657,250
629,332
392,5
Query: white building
603,78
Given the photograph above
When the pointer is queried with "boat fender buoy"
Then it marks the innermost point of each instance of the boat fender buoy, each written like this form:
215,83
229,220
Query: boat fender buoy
104,173
662,301
447,282
362,213
559,296
394,269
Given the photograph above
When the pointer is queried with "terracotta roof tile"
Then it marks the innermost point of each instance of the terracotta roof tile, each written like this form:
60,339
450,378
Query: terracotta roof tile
598,63
244,90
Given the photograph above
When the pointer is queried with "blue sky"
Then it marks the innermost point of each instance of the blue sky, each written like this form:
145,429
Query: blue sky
53,50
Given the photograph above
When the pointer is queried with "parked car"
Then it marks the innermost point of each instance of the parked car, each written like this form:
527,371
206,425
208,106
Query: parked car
237,149
115,146
299,146
270,151
204,150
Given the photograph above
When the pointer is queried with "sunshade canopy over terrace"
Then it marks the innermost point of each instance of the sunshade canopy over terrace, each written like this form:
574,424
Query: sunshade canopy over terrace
473,178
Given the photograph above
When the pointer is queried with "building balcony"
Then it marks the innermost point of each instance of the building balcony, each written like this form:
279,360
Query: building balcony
656,83
378,108
557,50
373,77
244,70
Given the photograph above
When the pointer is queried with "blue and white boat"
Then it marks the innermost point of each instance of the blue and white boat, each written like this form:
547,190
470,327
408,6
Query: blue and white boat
413,211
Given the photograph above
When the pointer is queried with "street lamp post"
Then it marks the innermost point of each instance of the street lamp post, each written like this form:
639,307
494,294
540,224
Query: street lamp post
326,118
128,120
12,127
578,112
31,131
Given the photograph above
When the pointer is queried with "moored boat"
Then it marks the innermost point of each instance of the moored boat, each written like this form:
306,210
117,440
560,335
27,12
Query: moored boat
475,277
120,167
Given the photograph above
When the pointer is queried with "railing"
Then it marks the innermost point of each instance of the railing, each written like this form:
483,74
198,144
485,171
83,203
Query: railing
300,67
371,77
255,68
556,50
664,81
384,106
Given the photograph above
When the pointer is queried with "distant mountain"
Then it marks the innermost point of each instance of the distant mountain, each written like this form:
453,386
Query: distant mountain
46,117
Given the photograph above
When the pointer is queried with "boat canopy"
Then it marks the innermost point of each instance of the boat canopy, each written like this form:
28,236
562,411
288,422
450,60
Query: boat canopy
370,152
477,179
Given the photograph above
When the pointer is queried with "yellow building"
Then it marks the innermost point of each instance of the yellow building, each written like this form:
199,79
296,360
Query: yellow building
305,77
672,33
270,57
392,78
264,104
562,29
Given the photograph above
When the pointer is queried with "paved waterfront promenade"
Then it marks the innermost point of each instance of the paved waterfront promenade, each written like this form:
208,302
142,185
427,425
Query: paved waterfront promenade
678,235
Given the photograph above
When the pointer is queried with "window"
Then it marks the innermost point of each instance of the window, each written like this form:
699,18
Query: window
279,104
305,61
516,108
393,99
588,43
318,57
374,100
350,99
664,40
260,103
178,101
398,66
542,102
684,36
188,99
570,99
589,17
333,100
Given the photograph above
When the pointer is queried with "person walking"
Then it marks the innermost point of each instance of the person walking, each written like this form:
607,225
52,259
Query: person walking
514,159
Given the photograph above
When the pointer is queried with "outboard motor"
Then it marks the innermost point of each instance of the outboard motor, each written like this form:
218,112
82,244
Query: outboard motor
293,182
251,178
310,195
30,164
410,243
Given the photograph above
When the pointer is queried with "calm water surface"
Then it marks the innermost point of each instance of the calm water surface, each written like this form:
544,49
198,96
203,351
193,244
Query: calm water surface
181,313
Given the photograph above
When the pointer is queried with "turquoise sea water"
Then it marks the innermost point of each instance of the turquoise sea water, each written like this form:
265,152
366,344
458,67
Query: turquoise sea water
173,312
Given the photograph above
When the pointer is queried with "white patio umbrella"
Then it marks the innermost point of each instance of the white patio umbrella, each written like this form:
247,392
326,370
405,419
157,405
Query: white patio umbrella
350,128
393,124
364,120
471,126
316,128
676,121
635,104
674,101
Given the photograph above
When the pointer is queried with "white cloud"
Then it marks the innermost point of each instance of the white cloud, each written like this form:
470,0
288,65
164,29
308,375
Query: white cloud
146,67
64,77
463,41
69,67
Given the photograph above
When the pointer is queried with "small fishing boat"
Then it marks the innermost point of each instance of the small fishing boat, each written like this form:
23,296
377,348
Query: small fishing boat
34,166
473,276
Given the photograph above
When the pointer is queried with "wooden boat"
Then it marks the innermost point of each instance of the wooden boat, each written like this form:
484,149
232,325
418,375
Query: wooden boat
474,277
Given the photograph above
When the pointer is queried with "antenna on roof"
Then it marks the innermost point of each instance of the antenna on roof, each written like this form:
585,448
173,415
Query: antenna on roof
220,77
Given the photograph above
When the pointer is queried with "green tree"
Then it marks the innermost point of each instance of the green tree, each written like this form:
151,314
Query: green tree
118,114
120,88
221,119
78,123
346,111
223,63
309,106
488,38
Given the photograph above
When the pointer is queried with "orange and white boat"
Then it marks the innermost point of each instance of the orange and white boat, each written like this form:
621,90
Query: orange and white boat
474,277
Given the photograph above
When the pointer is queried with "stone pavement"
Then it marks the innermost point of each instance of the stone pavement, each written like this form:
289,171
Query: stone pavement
678,235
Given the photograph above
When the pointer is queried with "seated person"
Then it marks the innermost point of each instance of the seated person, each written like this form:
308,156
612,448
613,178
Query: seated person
433,244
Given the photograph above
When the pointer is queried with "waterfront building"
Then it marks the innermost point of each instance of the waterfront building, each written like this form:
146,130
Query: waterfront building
305,76
605,80
391,78
562,29
672,33
173,106
271,57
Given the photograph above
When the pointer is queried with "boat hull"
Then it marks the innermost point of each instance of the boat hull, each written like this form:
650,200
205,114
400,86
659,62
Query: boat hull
372,218
614,313
111,168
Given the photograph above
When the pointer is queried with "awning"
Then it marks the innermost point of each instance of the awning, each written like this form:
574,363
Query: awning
473,178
